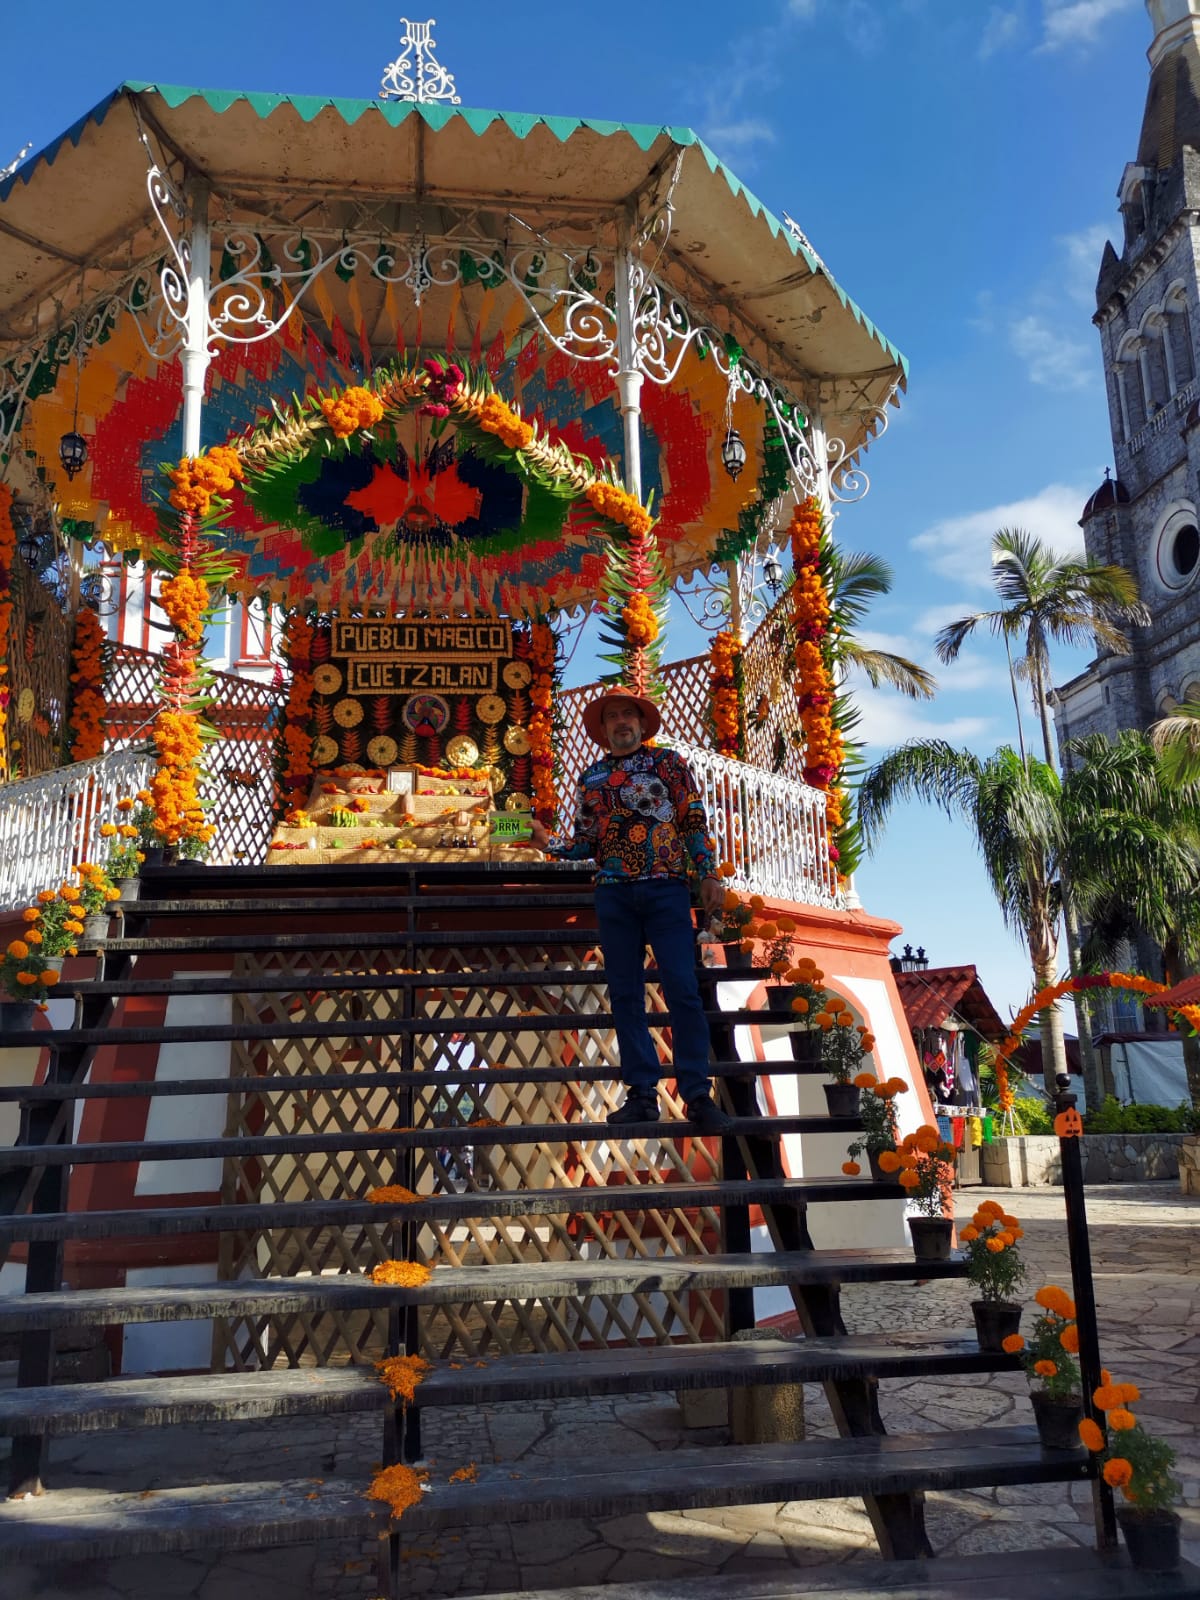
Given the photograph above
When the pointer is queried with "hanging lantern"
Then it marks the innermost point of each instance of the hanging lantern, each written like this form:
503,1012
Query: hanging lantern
733,453
73,453
773,573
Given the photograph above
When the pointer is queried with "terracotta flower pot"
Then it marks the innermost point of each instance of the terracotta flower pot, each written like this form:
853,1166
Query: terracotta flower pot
931,1237
841,1099
995,1320
1057,1420
1151,1537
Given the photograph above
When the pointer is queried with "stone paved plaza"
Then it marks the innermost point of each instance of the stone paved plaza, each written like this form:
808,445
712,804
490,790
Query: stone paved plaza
1147,1267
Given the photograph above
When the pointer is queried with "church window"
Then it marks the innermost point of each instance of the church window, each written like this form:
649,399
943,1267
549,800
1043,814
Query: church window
1185,550
1179,331
1177,556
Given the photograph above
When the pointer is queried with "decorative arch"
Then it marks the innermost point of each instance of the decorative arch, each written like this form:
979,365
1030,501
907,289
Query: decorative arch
1053,993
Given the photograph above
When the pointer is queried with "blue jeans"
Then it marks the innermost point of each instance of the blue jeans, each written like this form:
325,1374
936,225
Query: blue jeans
657,913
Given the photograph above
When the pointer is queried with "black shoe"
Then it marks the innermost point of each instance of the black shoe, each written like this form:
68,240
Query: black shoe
641,1105
708,1117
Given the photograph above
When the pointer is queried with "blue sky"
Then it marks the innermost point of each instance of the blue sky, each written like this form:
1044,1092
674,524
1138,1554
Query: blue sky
955,162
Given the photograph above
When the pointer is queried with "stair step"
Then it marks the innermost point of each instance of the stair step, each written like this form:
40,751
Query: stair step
584,1199
1051,1574
510,1133
372,1028
248,1396
387,937
98,1308
85,1524
428,1078
534,899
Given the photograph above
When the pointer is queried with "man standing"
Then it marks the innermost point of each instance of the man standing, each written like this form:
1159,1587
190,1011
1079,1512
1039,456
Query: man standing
640,817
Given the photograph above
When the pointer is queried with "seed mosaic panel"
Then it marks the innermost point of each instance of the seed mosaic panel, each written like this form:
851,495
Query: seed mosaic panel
483,1166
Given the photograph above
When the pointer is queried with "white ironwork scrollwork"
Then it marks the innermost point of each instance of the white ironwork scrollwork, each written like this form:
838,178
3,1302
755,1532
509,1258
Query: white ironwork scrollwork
416,74
848,481
7,172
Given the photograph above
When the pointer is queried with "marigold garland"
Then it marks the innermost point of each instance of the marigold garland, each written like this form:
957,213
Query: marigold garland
88,705
8,552
543,657
824,748
725,699
392,1194
1052,994
295,760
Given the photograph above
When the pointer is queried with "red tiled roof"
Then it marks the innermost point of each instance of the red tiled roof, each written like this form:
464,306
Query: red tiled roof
930,997
1185,993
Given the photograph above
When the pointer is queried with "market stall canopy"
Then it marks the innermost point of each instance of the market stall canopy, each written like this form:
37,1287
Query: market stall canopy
479,232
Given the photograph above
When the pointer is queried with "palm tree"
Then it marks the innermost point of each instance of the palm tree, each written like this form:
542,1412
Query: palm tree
854,581
1013,808
1133,852
1177,739
1048,599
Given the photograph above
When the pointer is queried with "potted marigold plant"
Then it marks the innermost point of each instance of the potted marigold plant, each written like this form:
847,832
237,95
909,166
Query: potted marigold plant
926,1172
774,956
877,1108
96,893
844,1043
25,977
1048,1356
730,925
995,1269
56,922
125,855
1139,1465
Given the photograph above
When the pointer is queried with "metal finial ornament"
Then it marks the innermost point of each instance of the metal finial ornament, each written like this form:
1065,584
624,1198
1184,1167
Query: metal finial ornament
7,172
415,75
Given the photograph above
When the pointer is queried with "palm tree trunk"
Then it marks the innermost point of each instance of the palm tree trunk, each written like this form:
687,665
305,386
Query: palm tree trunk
1012,683
1054,1049
1043,709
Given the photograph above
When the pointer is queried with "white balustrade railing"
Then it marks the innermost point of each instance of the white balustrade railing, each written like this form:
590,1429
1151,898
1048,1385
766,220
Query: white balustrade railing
50,823
771,828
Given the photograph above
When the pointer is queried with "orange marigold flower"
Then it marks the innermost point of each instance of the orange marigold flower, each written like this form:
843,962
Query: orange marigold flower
888,1161
908,1180
800,1005
18,949
1117,1472
851,1168
996,1246
1127,1393
1069,1339
1045,1369
399,1486
401,1375
400,1274
969,1235
1091,1435
1052,1298
1121,1420
1012,1343
392,1194
865,1080
1106,1398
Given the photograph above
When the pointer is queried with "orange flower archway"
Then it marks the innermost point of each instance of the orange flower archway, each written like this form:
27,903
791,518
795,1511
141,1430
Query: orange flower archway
1054,993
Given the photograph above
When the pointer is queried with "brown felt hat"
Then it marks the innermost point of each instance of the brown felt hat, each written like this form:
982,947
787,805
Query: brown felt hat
594,710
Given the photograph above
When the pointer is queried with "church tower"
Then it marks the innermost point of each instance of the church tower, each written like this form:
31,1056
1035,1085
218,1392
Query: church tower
1147,518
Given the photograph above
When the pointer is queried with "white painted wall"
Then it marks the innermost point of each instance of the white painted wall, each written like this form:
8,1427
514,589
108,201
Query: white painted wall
192,1116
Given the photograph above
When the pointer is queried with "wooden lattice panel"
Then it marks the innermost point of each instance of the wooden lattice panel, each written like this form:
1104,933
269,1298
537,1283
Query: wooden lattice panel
768,682
240,785
684,707
485,1166
39,661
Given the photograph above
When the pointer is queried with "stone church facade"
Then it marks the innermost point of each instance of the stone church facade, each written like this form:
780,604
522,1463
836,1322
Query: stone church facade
1147,518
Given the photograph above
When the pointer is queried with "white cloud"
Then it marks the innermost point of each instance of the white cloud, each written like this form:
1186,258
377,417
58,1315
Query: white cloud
886,720
736,137
804,9
1083,251
1052,360
969,674
1069,24
960,547
999,31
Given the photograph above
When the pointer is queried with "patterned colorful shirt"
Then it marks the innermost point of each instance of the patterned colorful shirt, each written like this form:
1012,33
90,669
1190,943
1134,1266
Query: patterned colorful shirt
640,816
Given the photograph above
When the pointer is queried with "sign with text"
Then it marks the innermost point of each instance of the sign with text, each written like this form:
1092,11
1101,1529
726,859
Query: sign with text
406,656
509,827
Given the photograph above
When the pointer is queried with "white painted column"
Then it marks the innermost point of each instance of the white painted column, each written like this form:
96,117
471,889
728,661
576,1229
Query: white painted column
1123,402
1169,357
1143,356
629,377
195,356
